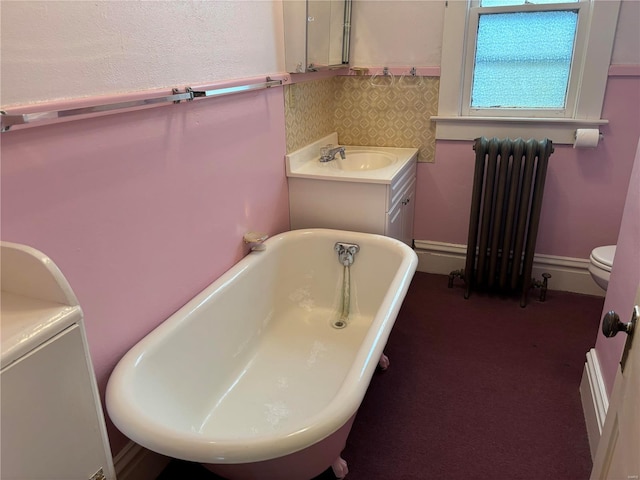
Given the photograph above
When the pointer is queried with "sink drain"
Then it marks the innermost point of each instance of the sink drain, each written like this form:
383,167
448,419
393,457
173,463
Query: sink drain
339,324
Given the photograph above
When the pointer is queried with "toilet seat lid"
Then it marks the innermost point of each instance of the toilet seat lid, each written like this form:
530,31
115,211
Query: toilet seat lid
603,256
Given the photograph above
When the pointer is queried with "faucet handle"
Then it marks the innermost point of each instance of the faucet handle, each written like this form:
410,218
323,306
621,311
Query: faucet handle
326,150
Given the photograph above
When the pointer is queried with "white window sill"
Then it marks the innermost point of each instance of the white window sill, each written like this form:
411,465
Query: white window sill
558,130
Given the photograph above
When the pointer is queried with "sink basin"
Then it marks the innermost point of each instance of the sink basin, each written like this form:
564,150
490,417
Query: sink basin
364,160
363,163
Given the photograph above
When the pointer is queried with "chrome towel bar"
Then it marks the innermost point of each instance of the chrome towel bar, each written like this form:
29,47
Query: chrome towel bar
217,92
11,119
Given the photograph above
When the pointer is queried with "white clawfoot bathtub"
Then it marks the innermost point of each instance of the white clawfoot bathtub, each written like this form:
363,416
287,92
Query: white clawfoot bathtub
250,377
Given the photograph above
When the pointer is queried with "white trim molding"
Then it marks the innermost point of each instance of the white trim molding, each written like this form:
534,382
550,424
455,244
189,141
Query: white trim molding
135,462
567,274
595,401
559,130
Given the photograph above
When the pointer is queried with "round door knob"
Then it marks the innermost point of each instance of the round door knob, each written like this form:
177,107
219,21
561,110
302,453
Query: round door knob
611,325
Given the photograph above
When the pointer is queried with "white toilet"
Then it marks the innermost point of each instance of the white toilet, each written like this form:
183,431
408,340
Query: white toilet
601,261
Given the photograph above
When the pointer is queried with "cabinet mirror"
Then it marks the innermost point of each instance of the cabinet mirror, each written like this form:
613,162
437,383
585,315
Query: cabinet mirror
316,34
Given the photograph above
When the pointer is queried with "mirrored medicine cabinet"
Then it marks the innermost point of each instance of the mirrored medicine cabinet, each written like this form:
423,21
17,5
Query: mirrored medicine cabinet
316,34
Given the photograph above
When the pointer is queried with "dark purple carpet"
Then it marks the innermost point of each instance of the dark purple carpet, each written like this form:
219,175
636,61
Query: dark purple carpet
477,389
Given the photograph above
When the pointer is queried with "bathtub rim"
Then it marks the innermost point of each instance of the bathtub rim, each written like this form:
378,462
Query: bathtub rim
130,418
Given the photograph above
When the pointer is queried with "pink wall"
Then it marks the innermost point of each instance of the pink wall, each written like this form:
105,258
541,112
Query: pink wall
142,210
584,187
625,278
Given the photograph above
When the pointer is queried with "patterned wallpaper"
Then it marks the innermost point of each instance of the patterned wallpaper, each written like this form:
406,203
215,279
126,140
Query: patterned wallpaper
364,111
309,111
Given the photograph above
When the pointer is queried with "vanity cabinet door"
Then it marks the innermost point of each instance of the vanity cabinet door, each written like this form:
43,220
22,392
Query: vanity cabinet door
408,212
400,217
393,228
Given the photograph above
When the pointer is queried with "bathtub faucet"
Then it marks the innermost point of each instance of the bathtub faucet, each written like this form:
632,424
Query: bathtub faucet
328,153
346,252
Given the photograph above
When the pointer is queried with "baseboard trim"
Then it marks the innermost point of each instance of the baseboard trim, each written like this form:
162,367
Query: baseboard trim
595,401
135,462
567,274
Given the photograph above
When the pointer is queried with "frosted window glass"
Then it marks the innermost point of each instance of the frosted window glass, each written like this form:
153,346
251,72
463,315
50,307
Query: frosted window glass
504,3
523,59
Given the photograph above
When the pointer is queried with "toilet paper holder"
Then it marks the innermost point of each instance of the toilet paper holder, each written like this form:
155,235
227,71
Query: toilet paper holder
587,138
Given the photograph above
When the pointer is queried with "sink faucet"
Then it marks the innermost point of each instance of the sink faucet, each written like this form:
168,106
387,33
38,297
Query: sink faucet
328,153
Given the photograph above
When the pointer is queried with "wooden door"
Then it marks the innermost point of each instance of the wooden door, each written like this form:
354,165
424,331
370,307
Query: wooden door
618,454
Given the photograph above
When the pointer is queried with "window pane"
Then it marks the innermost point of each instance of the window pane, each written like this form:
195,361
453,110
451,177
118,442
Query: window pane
523,59
504,3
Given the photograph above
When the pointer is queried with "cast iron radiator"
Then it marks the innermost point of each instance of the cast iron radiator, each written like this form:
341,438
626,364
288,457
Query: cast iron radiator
506,201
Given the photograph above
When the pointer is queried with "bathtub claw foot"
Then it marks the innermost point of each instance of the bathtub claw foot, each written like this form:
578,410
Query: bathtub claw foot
340,468
383,363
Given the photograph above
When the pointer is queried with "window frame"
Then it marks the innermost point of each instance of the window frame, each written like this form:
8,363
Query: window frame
456,120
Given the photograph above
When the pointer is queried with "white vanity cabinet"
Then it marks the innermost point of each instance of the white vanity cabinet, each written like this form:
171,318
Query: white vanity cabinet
370,204
52,424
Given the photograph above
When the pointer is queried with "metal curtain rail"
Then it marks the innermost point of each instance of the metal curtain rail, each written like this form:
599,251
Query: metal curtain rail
10,119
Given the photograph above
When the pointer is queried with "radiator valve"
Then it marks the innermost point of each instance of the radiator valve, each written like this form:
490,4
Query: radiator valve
542,285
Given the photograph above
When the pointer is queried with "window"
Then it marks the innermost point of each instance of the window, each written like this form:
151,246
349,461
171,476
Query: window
523,59
514,66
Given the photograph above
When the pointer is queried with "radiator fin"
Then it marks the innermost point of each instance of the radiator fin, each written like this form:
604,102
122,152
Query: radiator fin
506,203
